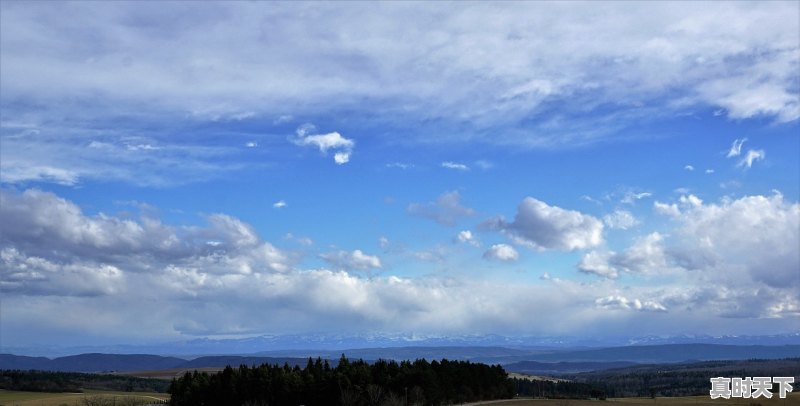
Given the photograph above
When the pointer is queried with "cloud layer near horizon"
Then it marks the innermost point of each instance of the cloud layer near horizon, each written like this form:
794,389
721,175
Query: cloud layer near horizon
221,278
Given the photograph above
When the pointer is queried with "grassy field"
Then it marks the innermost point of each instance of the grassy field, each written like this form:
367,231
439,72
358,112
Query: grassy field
793,399
14,398
168,374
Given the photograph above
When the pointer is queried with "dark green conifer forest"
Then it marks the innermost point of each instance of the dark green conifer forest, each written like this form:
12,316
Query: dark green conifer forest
350,383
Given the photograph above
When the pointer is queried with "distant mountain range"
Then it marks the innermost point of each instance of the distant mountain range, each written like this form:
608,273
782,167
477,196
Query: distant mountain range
339,342
535,360
132,362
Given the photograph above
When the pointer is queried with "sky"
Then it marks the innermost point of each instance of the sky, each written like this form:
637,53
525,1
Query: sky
170,171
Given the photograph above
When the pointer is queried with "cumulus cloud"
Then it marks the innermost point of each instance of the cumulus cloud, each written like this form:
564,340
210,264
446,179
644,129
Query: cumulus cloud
689,168
620,219
666,209
751,156
501,252
736,147
58,263
355,260
597,263
646,255
544,227
687,201
341,146
621,302
758,233
446,210
745,248
467,237
690,201
279,204
33,275
455,165
43,225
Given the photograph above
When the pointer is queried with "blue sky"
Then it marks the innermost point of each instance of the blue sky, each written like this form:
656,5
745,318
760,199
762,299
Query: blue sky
233,169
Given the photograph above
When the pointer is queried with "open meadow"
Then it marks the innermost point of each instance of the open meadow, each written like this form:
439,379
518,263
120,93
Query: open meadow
18,398
88,398
793,399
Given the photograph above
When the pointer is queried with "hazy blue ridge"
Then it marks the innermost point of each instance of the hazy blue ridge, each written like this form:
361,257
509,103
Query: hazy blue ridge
516,359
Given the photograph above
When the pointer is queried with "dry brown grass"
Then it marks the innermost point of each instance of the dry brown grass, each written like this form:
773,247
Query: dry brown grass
792,400
19,398
167,374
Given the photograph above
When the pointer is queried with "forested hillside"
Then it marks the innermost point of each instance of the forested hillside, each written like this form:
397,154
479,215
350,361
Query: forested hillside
44,381
349,383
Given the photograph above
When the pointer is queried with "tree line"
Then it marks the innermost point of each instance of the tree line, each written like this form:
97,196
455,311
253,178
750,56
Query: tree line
350,383
49,381
682,379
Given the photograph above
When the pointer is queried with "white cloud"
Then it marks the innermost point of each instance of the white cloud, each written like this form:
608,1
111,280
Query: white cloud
591,199
446,210
306,241
736,147
355,260
757,90
689,168
691,201
467,237
58,263
69,160
486,83
343,147
709,171
436,255
544,227
20,273
455,165
251,144
49,238
620,219
597,263
632,197
645,256
673,209
667,209
621,302
501,252
758,233
752,156
35,173
279,204
399,165
341,157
